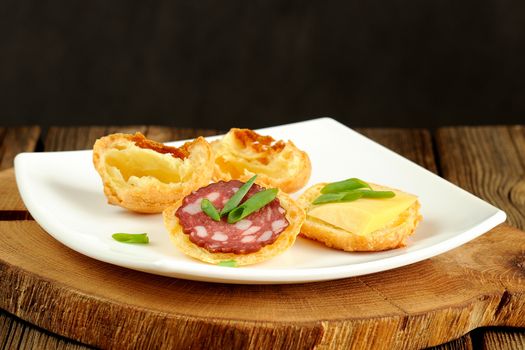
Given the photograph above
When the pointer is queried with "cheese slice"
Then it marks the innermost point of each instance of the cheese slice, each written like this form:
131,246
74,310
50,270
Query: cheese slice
364,215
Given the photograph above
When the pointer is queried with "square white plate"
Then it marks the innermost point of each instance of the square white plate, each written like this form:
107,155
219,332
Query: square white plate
63,192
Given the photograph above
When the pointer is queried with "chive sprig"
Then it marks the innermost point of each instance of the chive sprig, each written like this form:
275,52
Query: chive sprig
252,204
345,186
141,238
209,209
349,190
228,263
233,210
237,197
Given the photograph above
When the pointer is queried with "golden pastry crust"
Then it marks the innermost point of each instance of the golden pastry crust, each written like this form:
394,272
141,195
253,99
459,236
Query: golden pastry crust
392,235
146,176
242,153
294,214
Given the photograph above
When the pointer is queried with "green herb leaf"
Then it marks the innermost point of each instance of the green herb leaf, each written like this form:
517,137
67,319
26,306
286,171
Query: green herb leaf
376,194
131,237
209,209
329,197
338,197
228,263
351,196
237,197
254,203
345,186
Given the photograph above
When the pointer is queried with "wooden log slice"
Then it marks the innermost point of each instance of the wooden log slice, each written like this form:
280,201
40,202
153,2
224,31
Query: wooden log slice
479,284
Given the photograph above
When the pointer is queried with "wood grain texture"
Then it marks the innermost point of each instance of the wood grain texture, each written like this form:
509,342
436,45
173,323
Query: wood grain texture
507,339
414,144
10,201
490,163
15,140
78,138
463,343
18,334
420,305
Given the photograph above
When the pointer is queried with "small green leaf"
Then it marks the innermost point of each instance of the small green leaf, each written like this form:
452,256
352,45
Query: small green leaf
252,204
351,196
328,197
345,186
338,197
237,196
228,263
141,238
209,209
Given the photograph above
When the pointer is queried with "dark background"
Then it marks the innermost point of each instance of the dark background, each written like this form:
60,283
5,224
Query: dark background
216,64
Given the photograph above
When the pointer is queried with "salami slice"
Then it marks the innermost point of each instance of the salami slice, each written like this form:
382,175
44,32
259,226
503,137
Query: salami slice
249,235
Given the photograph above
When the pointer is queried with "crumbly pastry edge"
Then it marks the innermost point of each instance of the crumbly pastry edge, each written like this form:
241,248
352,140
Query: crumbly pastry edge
294,214
289,183
393,235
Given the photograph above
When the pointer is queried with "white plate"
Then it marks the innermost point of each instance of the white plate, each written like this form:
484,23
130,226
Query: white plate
63,192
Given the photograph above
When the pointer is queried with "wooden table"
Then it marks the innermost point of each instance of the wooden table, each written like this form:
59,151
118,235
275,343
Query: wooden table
487,161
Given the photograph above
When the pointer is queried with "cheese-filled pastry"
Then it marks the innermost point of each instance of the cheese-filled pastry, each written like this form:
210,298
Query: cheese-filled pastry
353,215
146,176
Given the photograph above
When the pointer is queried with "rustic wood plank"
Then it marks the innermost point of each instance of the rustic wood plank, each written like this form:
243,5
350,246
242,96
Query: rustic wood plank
14,140
18,334
164,134
10,200
489,162
414,144
77,138
506,339
82,137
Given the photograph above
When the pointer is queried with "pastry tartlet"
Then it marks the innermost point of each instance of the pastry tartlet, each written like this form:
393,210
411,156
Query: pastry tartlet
276,225
392,234
241,153
146,176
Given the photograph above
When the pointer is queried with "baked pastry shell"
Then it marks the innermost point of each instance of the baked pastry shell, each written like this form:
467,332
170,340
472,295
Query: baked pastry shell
147,194
238,158
294,214
393,235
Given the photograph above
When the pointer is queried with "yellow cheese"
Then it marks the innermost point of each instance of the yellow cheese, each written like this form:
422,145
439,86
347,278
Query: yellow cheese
364,215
